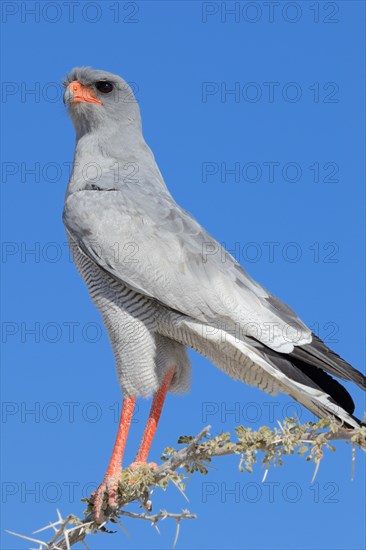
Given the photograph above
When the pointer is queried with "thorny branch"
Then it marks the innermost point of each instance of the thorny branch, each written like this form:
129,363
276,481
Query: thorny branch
308,440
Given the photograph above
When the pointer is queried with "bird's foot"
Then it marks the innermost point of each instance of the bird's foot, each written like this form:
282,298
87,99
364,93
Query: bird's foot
104,497
136,464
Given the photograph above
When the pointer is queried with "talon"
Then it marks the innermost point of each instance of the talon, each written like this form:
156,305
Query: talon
108,488
138,463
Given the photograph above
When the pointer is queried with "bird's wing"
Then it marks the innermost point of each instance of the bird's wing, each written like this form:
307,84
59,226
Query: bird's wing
158,249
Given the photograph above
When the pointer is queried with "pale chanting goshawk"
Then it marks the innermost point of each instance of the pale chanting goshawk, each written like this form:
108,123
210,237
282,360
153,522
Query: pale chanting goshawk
156,277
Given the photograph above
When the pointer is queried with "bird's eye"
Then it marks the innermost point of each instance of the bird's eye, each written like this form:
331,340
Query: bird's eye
104,86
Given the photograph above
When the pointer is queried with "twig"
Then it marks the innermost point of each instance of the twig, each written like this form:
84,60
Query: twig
154,518
308,439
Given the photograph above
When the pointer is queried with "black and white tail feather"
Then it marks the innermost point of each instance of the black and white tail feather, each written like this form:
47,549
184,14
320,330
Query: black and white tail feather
312,367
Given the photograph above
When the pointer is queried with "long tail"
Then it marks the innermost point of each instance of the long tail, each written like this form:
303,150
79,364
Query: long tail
319,355
311,386
301,374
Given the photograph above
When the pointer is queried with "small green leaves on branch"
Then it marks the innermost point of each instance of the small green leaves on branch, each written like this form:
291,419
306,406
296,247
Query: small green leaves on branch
270,445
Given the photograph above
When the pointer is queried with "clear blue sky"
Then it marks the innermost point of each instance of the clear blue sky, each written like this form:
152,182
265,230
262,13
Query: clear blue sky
293,131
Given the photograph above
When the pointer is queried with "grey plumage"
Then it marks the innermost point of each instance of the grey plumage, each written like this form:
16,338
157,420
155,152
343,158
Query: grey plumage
160,283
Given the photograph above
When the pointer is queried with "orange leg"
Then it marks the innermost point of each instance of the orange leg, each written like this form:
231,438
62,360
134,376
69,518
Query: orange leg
152,423
110,482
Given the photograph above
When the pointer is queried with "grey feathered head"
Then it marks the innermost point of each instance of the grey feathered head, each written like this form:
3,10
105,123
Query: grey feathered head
98,98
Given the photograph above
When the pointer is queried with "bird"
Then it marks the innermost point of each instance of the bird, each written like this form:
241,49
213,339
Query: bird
161,287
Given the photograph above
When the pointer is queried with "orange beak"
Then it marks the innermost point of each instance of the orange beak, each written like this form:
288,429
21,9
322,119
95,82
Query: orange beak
79,93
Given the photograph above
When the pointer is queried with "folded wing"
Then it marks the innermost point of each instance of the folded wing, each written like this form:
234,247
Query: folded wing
159,250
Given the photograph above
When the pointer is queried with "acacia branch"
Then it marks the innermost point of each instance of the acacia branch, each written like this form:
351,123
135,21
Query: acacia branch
308,440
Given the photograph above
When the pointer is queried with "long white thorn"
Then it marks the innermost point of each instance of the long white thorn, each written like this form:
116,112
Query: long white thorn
50,526
40,542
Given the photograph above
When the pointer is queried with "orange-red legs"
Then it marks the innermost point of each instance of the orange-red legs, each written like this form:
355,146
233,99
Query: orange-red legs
110,482
152,422
111,478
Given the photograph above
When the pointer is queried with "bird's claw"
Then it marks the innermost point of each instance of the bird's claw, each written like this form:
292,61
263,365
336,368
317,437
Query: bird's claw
136,464
108,488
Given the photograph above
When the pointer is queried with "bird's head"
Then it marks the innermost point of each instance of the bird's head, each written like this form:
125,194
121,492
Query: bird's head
99,98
